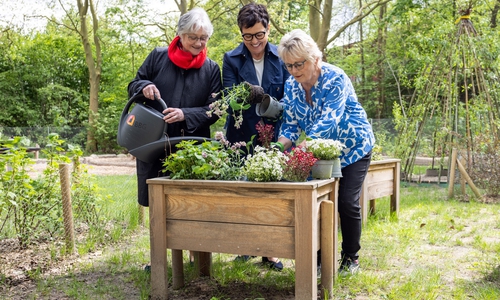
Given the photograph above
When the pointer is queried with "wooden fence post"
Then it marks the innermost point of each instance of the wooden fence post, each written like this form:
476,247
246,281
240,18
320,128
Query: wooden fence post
65,179
455,161
451,173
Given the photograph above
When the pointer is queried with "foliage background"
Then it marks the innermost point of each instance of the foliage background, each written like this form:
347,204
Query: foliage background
44,79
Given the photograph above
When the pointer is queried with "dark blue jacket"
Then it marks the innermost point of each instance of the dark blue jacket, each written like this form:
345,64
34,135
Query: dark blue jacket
237,67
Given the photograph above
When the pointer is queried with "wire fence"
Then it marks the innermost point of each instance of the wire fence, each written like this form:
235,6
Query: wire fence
43,199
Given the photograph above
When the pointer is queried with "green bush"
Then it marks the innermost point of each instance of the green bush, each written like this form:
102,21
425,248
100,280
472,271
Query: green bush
30,208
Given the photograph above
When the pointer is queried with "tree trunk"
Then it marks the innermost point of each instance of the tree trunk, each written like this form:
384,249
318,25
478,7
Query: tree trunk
325,26
494,13
183,5
381,40
320,15
362,58
315,19
93,65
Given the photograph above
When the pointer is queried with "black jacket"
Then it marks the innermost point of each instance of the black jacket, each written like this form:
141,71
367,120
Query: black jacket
189,90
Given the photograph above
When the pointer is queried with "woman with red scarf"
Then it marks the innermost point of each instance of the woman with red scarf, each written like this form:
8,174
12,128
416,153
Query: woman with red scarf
185,78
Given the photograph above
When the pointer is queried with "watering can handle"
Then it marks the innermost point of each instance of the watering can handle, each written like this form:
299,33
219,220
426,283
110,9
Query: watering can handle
162,102
138,96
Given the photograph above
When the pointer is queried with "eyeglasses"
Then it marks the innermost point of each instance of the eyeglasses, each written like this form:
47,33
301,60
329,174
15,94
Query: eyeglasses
194,38
248,36
298,65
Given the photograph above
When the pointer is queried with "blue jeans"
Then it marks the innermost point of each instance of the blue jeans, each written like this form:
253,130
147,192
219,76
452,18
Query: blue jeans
348,206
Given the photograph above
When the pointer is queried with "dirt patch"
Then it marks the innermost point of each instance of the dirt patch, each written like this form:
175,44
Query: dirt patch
21,269
108,164
18,265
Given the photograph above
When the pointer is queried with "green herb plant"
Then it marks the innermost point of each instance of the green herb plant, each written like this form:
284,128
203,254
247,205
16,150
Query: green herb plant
215,159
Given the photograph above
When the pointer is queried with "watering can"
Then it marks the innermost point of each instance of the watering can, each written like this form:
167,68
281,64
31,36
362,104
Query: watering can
142,125
142,131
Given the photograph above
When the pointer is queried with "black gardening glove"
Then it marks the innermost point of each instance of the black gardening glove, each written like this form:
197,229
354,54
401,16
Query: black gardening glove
256,93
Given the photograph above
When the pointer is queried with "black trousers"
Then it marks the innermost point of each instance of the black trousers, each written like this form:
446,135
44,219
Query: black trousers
348,206
146,171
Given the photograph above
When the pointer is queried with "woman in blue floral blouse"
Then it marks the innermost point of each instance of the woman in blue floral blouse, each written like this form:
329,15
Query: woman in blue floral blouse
320,101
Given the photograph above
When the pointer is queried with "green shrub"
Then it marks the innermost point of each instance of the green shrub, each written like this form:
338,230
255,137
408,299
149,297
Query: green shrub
30,208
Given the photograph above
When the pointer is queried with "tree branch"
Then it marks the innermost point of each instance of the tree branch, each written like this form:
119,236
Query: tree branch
359,16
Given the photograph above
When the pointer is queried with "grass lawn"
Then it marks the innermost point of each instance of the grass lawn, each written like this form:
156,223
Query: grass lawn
435,249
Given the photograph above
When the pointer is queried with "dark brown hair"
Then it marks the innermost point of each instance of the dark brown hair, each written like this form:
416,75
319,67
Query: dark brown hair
251,14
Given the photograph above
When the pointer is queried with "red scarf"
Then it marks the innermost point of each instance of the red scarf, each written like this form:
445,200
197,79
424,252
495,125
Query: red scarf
184,59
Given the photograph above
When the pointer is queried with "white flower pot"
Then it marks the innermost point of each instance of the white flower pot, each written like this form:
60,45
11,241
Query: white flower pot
336,171
322,169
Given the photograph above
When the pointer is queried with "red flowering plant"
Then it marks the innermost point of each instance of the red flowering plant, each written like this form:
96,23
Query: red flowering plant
266,133
299,165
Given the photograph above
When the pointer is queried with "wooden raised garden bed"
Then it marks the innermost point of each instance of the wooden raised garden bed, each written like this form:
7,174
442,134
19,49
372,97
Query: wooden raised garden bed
238,217
382,180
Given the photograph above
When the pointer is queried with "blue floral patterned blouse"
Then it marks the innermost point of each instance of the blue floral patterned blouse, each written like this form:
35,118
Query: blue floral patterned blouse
335,114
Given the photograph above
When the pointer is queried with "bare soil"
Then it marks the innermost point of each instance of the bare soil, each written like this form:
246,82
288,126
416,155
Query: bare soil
108,164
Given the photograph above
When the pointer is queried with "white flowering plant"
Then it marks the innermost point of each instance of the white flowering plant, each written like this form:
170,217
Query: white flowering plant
324,149
264,165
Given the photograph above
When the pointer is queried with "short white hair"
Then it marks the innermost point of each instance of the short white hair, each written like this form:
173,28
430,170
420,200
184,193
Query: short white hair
194,20
298,44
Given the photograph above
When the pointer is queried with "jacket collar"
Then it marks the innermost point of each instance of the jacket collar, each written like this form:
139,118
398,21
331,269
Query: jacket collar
247,70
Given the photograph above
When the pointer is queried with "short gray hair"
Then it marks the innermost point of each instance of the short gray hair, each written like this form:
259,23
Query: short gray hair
298,44
193,20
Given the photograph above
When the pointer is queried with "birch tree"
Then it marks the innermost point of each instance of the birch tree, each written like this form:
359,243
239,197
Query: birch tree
86,25
320,17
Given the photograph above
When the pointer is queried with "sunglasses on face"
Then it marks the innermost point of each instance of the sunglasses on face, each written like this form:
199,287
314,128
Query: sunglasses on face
298,66
259,35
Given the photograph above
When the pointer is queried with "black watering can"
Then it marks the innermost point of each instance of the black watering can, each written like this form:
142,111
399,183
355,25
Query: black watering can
142,131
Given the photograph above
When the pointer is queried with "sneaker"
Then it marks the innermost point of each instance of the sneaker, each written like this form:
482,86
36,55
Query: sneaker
273,265
348,267
243,258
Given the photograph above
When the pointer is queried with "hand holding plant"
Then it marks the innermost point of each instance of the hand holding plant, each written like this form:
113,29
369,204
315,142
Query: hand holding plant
239,98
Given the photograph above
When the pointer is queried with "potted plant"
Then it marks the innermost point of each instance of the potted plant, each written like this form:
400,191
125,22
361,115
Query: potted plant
327,151
240,97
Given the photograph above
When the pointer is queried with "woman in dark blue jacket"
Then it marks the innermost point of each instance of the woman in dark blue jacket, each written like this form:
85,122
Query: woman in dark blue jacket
256,61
